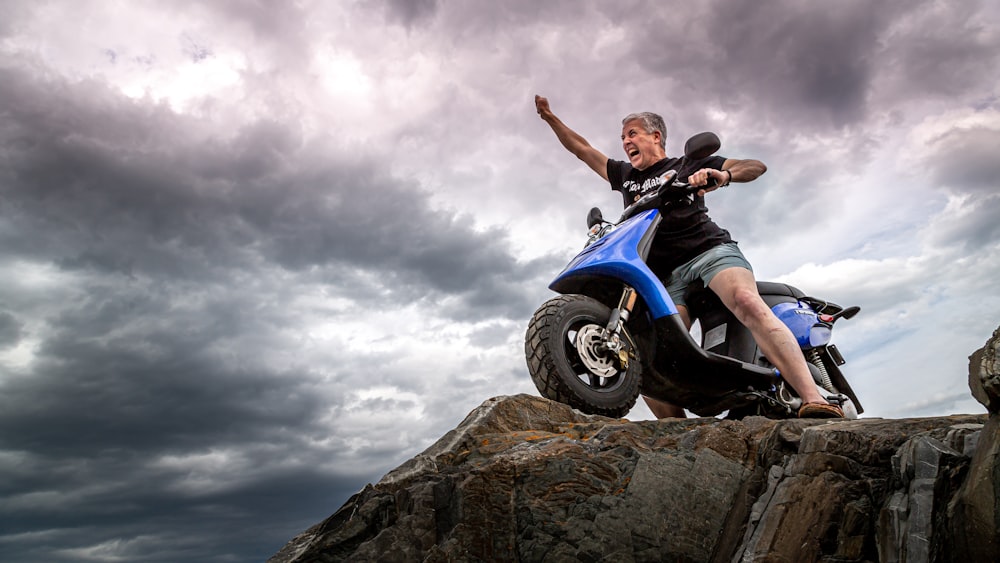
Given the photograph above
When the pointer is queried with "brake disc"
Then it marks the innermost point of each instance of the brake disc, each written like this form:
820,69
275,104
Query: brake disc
593,353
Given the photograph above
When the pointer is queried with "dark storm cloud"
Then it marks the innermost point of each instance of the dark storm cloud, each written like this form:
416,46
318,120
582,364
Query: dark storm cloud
941,50
124,510
113,185
409,12
147,388
176,237
108,403
794,62
814,68
964,158
812,65
10,330
123,384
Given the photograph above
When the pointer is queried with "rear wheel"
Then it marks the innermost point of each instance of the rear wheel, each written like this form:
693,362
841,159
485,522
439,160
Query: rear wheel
569,362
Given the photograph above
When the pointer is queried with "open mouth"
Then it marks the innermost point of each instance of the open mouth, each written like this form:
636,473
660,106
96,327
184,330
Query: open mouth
633,153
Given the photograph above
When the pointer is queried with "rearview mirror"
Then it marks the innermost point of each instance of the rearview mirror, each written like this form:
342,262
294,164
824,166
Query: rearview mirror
594,217
702,145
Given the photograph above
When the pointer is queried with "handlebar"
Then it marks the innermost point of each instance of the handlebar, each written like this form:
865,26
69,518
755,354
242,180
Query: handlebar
670,190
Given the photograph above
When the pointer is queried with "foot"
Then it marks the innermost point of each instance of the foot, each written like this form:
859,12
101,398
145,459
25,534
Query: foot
820,410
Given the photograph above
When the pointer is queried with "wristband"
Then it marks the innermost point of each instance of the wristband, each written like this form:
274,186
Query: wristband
730,180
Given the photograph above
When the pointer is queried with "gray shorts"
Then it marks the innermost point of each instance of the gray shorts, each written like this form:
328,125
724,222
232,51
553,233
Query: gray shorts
705,266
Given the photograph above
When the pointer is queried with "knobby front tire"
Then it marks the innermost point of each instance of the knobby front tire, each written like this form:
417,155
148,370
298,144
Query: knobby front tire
566,365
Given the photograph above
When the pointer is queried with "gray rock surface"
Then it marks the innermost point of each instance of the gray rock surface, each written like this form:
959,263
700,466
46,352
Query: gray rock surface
526,479
984,373
974,513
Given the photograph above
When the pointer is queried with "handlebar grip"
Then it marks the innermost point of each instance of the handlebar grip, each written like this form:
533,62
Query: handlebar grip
689,189
672,188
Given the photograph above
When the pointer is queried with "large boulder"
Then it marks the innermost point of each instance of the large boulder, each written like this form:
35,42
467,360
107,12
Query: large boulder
974,513
527,479
984,373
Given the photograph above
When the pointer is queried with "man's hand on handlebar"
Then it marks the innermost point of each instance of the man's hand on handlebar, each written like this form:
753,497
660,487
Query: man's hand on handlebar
711,178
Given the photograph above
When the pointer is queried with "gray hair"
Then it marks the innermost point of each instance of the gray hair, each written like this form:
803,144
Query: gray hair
650,122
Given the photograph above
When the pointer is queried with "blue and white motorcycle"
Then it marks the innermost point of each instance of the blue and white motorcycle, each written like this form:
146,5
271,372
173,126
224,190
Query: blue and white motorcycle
615,332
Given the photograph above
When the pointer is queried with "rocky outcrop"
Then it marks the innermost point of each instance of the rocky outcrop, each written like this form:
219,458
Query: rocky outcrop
974,514
526,479
984,373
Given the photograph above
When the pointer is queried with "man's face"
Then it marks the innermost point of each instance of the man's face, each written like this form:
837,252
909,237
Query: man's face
642,148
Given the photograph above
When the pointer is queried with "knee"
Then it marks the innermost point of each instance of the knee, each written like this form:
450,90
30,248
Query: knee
749,307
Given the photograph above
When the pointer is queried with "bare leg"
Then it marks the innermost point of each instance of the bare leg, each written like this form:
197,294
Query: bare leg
738,291
663,409
685,316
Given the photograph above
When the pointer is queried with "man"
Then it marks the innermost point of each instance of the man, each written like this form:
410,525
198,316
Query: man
690,246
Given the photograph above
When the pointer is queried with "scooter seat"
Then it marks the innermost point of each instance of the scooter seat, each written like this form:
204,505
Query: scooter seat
701,299
697,290
774,288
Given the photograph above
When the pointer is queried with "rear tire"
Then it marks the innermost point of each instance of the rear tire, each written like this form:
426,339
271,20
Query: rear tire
567,366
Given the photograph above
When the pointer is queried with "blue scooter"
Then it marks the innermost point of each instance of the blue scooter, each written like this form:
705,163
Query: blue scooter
614,332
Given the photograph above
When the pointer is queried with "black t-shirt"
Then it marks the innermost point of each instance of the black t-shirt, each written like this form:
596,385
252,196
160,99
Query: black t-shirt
686,230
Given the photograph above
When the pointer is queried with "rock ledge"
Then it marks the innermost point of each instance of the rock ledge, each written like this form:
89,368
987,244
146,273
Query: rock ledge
526,479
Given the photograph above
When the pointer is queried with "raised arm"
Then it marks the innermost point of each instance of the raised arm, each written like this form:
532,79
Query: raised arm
570,139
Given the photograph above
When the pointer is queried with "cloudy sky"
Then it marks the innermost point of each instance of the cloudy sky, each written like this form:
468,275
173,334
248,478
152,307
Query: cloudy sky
256,254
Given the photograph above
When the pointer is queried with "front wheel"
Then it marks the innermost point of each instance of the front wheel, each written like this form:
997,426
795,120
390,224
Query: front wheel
569,362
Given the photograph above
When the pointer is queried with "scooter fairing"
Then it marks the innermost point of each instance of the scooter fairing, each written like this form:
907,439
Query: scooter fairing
621,255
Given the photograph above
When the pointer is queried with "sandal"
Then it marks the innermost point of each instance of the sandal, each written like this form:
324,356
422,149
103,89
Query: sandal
820,410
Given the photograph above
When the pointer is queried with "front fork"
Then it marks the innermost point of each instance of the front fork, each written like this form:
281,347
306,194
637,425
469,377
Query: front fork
614,332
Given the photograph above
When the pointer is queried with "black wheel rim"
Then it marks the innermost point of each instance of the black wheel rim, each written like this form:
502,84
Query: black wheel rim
596,369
